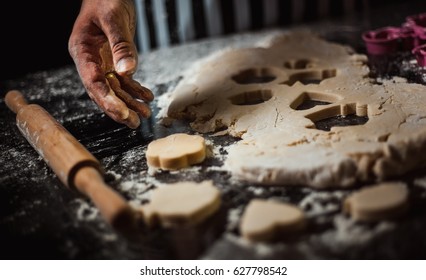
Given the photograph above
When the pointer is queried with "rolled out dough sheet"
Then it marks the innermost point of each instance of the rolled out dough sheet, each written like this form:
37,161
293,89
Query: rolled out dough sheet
256,94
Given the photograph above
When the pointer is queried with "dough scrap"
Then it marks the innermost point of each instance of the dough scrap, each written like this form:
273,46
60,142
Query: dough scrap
267,220
183,203
256,93
176,151
377,202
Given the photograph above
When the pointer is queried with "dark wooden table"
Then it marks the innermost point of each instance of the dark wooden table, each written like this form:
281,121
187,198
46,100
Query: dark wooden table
41,219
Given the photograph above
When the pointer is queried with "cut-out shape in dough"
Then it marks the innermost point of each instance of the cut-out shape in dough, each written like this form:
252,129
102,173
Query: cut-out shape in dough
251,97
377,202
176,151
255,76
299,64
328,123
308,104
282,145
268,220
310,77
309,100
181,204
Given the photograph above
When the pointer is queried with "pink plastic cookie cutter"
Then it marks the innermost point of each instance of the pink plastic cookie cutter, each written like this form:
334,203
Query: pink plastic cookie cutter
420,53
408,37
382,41
418,24
418,20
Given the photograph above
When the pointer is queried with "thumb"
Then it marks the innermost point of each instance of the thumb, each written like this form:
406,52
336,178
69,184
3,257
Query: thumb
124,57
123,49
120,31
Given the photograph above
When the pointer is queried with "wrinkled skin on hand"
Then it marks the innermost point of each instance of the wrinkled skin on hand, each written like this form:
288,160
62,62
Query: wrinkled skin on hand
101,45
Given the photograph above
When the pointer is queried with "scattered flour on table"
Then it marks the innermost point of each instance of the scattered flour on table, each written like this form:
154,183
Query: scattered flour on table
137,191
114,174
262,250
347,233
323,202
85,210
256,190
233,218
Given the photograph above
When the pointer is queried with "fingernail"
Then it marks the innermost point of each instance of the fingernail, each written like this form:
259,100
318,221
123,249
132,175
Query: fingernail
126,65
133,120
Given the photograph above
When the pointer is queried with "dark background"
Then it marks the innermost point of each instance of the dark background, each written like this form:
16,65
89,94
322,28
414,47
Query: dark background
35,35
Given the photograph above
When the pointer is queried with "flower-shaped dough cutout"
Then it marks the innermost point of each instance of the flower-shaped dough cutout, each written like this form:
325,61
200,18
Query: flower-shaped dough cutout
176,151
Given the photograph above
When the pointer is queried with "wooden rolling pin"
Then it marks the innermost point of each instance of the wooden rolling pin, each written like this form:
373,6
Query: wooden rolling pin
74,165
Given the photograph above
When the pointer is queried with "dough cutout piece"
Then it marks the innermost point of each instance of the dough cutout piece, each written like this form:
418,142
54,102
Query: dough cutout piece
377,202
183,203
267,220
176,151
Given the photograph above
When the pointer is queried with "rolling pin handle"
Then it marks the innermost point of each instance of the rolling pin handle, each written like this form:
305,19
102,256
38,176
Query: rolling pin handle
15,100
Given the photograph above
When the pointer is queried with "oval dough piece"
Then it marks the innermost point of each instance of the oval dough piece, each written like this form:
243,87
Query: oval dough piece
267,220
377,202
176,151
183,203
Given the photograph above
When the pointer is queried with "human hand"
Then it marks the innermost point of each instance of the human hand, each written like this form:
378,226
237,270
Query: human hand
101,45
